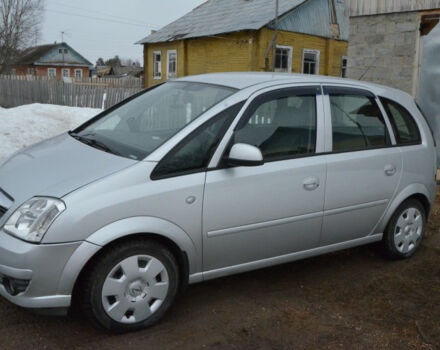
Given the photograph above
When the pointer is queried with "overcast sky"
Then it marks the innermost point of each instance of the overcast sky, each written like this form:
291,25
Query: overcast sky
105,28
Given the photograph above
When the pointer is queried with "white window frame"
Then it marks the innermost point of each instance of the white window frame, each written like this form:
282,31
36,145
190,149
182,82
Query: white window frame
318,59
342,65
289,60
80,73
157,75
169,75
68,72
49,70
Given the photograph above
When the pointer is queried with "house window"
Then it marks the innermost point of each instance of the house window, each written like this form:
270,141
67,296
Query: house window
172,64
311,61
78,73
344,67
66,72
30,71
60,50
51,72
65,51
283,59
13,71
157,65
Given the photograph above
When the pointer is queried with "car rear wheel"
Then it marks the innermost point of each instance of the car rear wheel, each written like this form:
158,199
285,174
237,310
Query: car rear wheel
405,230
131,286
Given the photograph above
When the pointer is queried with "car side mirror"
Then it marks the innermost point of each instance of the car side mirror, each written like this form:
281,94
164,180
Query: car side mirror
242,154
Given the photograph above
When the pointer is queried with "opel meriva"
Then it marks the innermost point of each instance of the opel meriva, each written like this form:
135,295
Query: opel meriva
207,176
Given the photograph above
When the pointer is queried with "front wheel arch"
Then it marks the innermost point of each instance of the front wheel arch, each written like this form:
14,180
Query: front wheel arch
180,255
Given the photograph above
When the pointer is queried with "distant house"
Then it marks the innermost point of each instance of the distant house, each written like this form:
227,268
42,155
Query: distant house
53,60
102,71
237,35
126,71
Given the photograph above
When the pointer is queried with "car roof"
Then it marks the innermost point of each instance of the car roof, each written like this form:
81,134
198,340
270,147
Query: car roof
243,80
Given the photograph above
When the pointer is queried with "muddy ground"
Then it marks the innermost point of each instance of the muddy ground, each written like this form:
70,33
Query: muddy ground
355,299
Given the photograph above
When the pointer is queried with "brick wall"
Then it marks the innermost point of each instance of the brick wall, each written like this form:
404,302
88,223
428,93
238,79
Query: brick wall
384,48
42,70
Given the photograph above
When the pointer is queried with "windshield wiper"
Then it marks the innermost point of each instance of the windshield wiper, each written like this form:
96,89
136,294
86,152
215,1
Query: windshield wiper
93,142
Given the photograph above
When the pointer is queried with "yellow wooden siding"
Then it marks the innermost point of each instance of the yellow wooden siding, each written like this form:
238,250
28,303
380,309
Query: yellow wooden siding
242,51
331,51
163,48
223,53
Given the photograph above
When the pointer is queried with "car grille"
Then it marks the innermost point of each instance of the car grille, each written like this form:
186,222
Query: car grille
2,211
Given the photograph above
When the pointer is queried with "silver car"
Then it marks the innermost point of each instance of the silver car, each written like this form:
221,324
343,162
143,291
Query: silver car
208,176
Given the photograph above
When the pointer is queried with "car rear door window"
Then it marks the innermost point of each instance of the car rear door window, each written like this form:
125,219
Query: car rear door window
357,123
404,125
281,124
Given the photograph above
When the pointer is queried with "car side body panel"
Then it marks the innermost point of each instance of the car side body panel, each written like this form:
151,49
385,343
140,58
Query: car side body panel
123,200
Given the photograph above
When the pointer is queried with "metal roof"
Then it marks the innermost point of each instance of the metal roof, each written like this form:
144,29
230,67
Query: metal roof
375,7
222,16
33,55
242,80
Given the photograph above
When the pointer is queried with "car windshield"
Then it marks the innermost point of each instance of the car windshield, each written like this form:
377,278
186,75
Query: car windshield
138,127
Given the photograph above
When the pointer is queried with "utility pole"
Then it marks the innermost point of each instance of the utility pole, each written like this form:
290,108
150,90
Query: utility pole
275,38
273,42
62,41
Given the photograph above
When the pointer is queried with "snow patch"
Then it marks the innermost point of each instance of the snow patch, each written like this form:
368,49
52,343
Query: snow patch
25,125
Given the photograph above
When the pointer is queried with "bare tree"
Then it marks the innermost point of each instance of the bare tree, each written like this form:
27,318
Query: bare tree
20,27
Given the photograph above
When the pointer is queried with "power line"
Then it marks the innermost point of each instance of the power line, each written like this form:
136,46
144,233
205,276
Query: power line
96,18
107,14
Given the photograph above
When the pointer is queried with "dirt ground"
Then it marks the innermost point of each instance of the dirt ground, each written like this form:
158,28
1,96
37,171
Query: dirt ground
355,299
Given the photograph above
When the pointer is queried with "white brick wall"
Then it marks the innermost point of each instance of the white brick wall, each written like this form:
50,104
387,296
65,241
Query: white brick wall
384,46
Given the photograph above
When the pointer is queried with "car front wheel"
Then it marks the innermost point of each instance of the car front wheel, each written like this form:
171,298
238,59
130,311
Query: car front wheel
131,285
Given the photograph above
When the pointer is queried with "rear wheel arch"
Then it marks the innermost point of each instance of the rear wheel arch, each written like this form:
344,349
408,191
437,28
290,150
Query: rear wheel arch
423,200
417,191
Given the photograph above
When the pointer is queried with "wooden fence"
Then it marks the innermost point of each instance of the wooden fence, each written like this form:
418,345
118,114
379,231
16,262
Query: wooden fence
87,92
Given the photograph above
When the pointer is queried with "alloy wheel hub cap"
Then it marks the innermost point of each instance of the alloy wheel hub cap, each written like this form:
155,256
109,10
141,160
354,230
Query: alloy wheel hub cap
135,289
408,230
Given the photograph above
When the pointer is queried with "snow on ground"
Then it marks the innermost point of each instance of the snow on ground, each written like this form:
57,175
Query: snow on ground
25,125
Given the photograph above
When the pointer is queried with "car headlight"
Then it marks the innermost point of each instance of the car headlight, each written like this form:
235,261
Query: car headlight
31,221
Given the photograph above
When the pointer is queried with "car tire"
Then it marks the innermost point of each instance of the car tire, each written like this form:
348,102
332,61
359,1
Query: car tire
405,230
130,286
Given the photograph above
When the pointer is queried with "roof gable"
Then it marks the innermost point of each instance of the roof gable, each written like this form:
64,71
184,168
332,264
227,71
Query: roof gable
222,16
313,17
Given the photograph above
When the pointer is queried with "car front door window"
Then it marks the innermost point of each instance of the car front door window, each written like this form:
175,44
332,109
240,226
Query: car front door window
281,126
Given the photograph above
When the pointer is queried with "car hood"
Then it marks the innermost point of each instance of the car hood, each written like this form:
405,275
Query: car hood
56,167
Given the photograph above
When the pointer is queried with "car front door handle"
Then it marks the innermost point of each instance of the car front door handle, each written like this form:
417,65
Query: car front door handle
311,183
390,170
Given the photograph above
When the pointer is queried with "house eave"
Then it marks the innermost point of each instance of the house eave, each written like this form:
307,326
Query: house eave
61,64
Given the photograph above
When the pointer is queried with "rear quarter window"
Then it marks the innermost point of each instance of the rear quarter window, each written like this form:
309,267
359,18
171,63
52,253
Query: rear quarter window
404,126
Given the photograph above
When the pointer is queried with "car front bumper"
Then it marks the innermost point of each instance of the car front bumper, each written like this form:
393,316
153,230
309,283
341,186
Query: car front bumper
44,273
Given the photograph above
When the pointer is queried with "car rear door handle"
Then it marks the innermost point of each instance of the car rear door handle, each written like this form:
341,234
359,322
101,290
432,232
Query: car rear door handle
311,183
390,170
